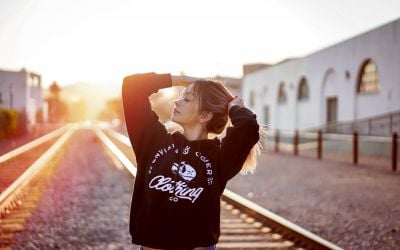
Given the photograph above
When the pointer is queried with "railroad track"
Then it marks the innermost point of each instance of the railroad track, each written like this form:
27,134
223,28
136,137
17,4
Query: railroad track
23,173
244,224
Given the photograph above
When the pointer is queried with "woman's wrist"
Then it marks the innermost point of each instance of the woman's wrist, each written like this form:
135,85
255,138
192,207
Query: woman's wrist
237,100
230,105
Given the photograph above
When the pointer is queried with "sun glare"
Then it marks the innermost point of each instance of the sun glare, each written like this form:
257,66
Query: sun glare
168,92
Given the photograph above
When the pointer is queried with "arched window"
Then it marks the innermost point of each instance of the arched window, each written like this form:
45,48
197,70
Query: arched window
368,79
302,93
282,93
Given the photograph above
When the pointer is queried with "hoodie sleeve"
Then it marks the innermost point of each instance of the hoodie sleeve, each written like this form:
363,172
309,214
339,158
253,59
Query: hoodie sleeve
144,128
238,141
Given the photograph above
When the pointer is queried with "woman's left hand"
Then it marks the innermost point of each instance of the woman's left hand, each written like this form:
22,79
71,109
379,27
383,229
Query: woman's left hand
236,101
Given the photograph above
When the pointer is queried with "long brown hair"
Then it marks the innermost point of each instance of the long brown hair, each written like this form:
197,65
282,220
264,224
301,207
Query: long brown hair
213,96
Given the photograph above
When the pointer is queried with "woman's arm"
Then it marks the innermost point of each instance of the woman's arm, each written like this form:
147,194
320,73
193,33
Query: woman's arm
144,128
239,139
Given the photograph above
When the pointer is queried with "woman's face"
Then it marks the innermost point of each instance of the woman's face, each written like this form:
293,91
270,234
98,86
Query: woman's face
186,110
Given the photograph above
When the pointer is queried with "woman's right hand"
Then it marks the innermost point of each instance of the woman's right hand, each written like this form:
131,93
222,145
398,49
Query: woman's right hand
182,80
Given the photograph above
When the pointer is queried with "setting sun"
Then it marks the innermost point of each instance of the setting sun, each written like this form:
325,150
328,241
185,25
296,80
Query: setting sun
168,92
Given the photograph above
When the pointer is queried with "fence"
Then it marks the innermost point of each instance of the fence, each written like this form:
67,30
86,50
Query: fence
383,125
318,143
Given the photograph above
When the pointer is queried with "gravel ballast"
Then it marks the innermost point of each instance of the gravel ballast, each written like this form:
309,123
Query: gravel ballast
354,207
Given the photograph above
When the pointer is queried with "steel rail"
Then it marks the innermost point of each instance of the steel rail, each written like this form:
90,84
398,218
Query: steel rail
277,222
33,143
23,180
114,149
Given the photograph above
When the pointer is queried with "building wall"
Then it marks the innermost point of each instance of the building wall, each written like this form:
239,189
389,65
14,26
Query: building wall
35,87
326,75
14,82
26,91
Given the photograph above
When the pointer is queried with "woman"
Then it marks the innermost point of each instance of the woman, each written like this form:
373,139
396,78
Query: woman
181,176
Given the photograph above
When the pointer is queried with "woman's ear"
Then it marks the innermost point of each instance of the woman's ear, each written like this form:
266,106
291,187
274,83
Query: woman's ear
205,116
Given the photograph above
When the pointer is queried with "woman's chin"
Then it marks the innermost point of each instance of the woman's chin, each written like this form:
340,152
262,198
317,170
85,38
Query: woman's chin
173,118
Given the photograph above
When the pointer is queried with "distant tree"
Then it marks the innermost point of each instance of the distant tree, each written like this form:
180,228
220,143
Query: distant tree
57,108
55,89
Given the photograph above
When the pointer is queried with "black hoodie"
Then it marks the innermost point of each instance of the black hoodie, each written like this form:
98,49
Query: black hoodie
176,197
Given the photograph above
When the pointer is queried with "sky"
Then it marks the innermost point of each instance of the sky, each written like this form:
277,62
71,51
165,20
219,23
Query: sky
101,41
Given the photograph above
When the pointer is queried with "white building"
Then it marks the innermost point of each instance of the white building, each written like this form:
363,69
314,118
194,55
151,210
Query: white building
21,90
352,80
